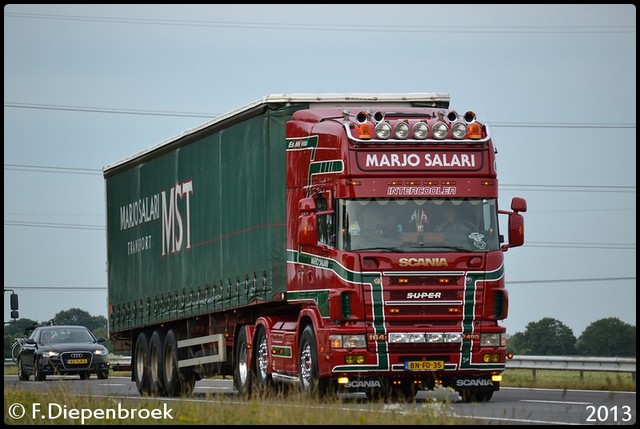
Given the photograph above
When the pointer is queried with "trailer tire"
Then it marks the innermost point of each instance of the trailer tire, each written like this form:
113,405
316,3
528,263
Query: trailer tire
177,382
241,371
308,370
156,364
140,367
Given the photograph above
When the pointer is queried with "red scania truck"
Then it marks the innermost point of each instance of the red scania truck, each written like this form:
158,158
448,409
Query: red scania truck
336,242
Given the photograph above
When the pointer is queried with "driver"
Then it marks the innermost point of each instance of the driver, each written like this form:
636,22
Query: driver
451,222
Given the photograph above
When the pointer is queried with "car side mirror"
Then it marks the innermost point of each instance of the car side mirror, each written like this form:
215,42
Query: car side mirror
101,339
30,341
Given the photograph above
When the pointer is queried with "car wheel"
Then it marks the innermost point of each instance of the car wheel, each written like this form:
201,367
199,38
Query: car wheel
22,374
85,375
103,375
38,375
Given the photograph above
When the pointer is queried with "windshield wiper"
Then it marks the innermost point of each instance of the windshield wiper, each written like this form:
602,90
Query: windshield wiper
380,249
458,248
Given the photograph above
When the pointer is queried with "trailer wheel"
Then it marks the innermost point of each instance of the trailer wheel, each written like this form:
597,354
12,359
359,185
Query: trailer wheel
156,364
263,378
309,374
140,364
177,382
241,372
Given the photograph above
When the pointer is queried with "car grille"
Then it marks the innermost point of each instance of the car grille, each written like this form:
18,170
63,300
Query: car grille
76,360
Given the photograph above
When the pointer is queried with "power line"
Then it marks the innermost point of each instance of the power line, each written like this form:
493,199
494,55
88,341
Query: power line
378,28
54,225
545,188
108,110
101,288
545,244
50,169
572,125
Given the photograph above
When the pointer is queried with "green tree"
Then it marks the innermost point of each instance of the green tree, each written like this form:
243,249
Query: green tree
547,337
609,337
517,344
17,329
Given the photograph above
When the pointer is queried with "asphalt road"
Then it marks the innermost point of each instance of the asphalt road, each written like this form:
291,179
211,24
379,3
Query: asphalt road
508,406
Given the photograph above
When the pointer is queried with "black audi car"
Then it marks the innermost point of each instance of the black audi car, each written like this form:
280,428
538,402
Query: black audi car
62,349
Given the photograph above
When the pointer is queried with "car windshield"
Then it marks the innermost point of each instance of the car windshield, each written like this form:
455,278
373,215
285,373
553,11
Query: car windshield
418,225
65,335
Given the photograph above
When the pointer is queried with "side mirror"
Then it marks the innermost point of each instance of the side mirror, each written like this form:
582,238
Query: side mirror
516,230
101,339
307,230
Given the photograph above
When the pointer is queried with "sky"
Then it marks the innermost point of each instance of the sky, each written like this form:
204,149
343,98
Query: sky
86,86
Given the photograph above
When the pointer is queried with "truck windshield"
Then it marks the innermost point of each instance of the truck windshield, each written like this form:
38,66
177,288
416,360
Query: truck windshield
418,225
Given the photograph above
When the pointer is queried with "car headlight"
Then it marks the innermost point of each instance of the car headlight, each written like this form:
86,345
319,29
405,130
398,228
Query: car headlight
50,354
101,352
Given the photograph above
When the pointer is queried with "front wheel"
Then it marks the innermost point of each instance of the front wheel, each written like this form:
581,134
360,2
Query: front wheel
309,373
22,374
103,374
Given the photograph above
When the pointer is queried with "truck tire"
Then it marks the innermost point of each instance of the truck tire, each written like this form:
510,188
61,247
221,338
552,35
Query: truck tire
263,380
156,364
177,382
241,371
309,375
140,367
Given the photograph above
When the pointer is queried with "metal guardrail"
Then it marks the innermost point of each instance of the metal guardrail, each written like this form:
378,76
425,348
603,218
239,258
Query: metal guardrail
568,363
574,363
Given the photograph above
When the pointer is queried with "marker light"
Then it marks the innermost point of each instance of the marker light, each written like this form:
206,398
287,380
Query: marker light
474,131
365,130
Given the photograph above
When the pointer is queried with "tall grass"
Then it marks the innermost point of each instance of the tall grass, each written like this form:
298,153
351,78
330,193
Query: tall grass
60,406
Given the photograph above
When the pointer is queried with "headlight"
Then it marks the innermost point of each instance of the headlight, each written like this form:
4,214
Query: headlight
402,130
459,130
50,354
420,130
383,130
101,352
347,341
490,340
440,130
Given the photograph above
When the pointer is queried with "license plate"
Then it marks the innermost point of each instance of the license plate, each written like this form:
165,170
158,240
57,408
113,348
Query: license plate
424,365
77,361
